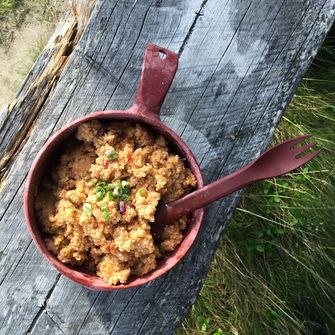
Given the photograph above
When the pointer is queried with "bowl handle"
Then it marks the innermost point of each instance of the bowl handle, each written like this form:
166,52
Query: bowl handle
158,70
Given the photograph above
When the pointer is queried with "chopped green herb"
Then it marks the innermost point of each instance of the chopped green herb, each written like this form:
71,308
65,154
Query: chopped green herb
87,208
109,187
106,216
92,182
101,184
103,207
100,195
117,191
111,196
125,186
111,154
125,197
143,192
100,190
101,187
117,183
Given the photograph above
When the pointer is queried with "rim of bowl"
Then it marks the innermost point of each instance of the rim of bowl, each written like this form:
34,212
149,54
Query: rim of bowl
87,279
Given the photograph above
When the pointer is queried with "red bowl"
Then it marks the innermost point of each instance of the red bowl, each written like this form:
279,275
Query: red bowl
158,70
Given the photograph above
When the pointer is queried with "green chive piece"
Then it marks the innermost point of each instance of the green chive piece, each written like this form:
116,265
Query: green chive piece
143,192
87,208
125,197
103,207
111,154
125,186
111,196
99,195
92,182
101,184
106,216
109,187
117,191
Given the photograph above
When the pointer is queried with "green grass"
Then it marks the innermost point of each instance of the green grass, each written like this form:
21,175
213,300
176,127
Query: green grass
7,5
274,272
25,27
14,12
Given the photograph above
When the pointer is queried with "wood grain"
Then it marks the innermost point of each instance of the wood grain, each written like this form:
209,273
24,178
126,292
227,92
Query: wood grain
240,62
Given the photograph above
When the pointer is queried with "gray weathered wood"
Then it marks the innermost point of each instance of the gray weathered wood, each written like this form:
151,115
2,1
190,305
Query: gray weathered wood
240,61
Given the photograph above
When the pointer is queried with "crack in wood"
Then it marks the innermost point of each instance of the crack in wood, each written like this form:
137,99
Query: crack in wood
175,32
13,197
131,52
100,66
43,307
109,47
198,14
148,314
54,321
118,27
88,312
123,309
10,271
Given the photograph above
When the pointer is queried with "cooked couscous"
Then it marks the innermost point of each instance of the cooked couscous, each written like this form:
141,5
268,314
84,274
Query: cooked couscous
98,203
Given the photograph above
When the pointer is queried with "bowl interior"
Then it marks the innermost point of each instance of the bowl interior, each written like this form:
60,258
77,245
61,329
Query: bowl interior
48,156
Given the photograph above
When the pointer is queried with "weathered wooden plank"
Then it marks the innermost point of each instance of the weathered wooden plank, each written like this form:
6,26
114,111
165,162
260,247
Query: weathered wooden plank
21,289
239,64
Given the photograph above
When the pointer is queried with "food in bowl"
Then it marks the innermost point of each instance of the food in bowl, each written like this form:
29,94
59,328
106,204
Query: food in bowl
99,200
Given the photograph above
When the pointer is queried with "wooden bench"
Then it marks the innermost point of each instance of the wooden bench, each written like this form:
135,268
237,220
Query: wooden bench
240,61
